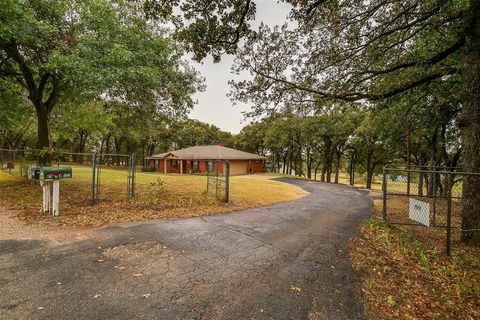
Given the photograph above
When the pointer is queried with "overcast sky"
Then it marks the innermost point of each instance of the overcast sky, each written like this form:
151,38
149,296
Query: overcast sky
213,104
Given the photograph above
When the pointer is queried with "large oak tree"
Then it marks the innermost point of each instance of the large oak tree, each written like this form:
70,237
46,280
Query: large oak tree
352,50
74,51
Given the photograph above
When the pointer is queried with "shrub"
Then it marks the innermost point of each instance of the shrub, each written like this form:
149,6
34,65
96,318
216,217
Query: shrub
148,169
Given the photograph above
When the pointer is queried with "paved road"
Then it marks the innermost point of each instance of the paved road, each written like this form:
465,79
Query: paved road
285,261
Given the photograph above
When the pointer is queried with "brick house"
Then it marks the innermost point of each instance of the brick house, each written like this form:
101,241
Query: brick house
200,158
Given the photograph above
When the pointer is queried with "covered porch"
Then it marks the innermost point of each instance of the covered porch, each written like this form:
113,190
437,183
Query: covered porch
173,164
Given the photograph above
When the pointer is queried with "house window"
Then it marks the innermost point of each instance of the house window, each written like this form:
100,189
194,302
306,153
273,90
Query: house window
257,161
210,166
174,164
195,166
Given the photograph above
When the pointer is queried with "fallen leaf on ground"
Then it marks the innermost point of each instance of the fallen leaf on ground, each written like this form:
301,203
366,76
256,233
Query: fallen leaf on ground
297,290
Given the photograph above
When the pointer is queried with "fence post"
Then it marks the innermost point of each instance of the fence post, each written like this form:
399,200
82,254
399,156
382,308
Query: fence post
98,165
208,178
94,170
129,176
217,178
384,189
352,169
449,212
227,181
434,190
10,161
132,183
408,179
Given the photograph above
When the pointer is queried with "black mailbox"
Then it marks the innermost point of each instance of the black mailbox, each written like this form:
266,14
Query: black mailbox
34,173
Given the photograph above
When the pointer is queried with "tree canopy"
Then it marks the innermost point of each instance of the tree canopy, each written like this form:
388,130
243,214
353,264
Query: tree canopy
64,52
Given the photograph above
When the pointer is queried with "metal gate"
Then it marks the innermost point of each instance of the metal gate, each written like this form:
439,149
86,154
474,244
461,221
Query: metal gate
425,196
218,180
99,177
112,176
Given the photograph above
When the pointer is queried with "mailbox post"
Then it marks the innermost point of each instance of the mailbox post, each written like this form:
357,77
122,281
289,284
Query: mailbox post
50,180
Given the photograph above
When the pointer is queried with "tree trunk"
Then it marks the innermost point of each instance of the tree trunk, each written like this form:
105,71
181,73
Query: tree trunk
118,147
272,164
309,164
290,162
369,178
470,125
420,178
352,169
369,168
316,170
44,140
329,168
338,154
82,141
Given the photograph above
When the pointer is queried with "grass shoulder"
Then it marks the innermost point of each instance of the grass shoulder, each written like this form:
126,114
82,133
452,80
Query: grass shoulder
404,277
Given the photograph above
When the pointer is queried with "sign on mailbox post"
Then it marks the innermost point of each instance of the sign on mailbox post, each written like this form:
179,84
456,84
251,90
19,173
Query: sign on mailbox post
52,173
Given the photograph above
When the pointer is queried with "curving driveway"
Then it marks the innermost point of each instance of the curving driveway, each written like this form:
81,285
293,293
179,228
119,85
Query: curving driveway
285,261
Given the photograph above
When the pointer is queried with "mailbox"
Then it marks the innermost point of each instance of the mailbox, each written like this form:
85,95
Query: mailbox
50,180
34,173
54,173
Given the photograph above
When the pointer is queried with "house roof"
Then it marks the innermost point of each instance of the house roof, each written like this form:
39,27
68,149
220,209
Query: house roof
208,153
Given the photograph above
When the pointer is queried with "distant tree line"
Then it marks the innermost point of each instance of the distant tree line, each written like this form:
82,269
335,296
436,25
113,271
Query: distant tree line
355,139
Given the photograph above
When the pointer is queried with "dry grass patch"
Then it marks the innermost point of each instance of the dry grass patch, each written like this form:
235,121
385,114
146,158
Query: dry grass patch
179,197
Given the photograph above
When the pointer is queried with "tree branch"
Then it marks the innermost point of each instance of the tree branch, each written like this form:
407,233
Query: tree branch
357,95
12,51
435,59
311,8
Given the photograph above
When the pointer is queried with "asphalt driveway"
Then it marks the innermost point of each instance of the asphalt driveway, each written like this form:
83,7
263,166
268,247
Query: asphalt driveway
285,261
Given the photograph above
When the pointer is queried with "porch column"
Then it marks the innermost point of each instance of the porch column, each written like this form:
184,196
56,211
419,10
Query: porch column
181,166
164,165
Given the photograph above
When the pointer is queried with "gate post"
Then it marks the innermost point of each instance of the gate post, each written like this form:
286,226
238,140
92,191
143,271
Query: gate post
227,181
94,169
449,211
384,188
208,178
131,177
434,187
216,182
132,182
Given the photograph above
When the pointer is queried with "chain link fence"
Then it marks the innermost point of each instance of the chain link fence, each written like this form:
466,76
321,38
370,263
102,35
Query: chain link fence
425,197
158,189
15,164
111,178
